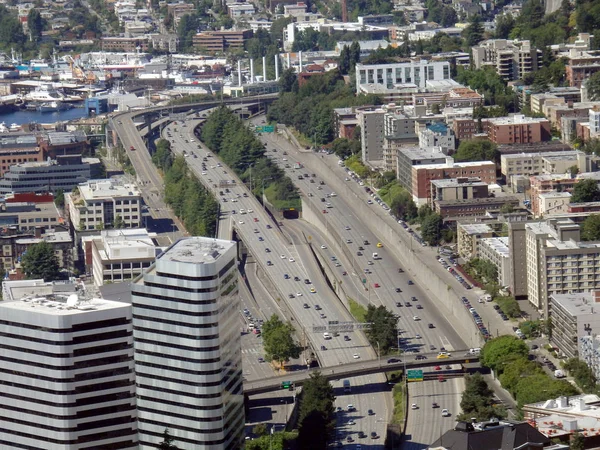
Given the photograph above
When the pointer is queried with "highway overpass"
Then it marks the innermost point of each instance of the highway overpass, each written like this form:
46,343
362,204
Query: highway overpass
358,368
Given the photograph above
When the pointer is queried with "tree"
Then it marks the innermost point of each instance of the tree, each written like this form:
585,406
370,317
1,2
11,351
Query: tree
278,341
35,24
583,374
119,222
59,199
478,399
316,417
590,228
167,443
39,261
577,441
260,429
473,33
472,150
586,191
431,229
383,332
504,25
593,87
501,350
507,208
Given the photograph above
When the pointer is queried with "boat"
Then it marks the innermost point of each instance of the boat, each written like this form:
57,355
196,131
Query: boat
44,93
3,128
14,127
53,107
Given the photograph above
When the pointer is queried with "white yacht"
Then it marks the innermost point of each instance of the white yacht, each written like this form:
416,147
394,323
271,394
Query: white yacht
44,93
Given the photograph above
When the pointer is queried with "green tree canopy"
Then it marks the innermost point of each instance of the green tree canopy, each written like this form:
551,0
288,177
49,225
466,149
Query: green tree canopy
278,340
478,400
384,329
590,228
316,415
39,261
35,23
593,86
501,350
473,33
477,151
583,374
586,191
431,229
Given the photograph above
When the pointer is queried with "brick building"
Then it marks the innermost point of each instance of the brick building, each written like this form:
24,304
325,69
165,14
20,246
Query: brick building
423,175
220,41
581,65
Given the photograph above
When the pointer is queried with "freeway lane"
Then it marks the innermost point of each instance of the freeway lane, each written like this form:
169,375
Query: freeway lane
259,234
342,221
426,424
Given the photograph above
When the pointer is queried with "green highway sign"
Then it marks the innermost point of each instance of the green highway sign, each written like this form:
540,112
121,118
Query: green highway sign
286,384
414,375
269,128
364,280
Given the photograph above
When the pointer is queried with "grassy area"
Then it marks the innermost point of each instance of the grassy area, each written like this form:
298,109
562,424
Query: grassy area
281,204
399,403
357,310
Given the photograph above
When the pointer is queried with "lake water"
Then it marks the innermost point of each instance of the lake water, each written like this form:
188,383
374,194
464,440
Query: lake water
21,117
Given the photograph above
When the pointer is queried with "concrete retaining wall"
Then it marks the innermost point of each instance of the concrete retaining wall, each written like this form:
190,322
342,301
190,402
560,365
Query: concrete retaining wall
444,296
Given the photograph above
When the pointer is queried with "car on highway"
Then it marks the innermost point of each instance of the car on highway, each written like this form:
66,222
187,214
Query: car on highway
376,285
392,360
431,325
435,405
305,306
261,360
268,227
443,355
350,408
296,278
269,263
286,276
407,304
359,253
291,259
379,245
318,307
356,356
323,316
445,413
374,435
241,222
414,406
416,318
437,368
420,357
398,289
323,246
313,290
399,304
298,294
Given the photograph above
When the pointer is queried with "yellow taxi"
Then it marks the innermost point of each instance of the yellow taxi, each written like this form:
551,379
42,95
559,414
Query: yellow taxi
443,355
379,245
313,290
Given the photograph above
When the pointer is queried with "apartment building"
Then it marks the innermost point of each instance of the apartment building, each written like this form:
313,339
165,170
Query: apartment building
465,128
99,204
553,203
391,76
540,184
30,213
407,157
67,371
220,41
589,351
371,121
459,209
457,189
345,122
512,60
497,251
574,315
125,44
455,97
61,143
423,175
62,174
115,256
18,149
60,241
517,129
188,300
527,164
468,236
399,131
581,65
558,262
438,134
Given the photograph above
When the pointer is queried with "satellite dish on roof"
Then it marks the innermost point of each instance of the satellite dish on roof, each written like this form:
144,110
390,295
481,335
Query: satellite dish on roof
72,300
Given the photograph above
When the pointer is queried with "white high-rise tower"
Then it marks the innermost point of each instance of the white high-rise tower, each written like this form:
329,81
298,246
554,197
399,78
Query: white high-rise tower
187,347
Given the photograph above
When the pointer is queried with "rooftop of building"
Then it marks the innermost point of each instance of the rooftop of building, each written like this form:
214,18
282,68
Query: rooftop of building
585,404
457,182
59,304
52,237
133,243
438,127
555,155
456,165
110,188
475,228
516,119
498,244
554,195
577,304
418,153
572,245
16,289
196,250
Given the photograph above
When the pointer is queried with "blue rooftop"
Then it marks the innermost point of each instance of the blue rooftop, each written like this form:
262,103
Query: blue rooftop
438,127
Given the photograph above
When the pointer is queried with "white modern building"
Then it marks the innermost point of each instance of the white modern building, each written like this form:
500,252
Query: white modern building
187,347
496,251
394,75
99,204
67,379
119,255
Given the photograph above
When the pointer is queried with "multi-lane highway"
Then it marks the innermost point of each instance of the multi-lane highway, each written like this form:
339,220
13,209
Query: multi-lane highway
283,262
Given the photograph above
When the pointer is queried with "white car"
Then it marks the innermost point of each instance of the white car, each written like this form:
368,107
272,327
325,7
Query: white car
369,263
445,413
292,260
414,406
323,246
241,222
369,202
356,356
416,318
299,294
283,256
417,336
203,173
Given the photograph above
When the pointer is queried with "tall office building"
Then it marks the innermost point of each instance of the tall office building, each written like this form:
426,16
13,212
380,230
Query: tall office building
187,347
66,373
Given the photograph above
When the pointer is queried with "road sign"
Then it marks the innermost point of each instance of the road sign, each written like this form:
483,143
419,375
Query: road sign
364,280
269,128
286,384
414,375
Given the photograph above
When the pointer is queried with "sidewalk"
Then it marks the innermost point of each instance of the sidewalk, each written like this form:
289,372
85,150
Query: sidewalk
503,395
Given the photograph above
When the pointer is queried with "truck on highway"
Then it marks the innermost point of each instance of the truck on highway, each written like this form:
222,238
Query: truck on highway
347,388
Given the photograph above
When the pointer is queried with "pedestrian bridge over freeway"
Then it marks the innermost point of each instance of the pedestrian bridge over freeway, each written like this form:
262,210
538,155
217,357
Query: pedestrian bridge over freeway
355,369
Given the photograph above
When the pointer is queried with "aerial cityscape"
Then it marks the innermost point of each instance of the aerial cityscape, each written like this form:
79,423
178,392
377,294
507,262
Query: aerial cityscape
286,225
